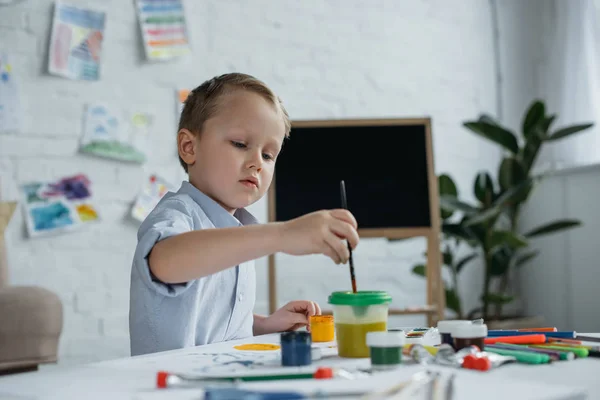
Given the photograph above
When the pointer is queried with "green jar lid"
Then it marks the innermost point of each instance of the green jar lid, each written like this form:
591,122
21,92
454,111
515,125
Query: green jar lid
365,298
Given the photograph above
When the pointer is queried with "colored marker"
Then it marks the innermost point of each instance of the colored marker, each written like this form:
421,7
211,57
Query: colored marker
566,334
563,340
555,354
522,339
521,356
578,352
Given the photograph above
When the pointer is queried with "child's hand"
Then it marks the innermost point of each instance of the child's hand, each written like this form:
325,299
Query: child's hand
292,316
321,232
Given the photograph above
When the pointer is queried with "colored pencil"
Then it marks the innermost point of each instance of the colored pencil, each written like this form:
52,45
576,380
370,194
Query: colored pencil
549,329
566,334
587,338
563,340
577,346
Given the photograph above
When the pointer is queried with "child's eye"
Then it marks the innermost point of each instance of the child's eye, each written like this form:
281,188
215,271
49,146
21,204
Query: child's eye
239,145
267,156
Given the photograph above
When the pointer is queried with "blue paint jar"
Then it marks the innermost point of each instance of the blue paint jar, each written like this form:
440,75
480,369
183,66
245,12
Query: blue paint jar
296,349
445,329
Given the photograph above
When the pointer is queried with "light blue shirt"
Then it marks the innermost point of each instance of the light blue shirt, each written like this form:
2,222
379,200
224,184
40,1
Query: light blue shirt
214,308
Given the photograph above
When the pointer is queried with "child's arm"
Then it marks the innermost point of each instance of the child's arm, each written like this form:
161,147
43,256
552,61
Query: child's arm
195,254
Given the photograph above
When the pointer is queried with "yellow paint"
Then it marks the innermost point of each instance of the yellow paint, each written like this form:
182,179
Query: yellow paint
321,328
257,347
352,338
86,212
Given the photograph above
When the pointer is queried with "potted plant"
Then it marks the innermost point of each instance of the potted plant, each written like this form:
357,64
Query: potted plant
492,225
452,240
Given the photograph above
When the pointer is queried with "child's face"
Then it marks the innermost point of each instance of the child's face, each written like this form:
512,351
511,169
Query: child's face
235,153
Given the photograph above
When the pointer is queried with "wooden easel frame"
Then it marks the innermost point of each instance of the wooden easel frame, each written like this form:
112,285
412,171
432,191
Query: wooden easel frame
436,300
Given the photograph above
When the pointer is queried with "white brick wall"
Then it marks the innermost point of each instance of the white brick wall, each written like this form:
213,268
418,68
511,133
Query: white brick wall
326,59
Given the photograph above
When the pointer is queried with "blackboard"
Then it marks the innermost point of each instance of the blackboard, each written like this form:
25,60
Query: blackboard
385,165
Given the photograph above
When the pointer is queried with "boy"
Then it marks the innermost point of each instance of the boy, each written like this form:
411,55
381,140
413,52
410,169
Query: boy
192,279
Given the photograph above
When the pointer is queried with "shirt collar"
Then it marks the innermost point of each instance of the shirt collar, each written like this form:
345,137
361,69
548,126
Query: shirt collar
215,212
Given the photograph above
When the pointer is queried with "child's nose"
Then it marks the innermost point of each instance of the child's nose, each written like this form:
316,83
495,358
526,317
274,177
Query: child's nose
255,161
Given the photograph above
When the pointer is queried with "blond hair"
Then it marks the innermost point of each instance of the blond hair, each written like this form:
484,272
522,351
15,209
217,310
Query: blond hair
202,103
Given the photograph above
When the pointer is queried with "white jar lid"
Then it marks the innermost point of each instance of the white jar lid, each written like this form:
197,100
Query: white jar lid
447,325
385,339
469,331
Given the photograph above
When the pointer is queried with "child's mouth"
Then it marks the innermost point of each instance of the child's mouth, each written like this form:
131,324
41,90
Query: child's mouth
249,183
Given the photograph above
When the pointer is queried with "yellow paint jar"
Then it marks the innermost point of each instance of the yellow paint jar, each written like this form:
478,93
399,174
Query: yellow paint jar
357,314
322,328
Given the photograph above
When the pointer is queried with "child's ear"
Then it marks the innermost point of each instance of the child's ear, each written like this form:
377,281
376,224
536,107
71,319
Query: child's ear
186,146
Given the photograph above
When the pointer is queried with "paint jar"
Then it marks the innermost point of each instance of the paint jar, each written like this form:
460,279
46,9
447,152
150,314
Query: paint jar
357,314
296,349
468,335
385,349
445,329
322,328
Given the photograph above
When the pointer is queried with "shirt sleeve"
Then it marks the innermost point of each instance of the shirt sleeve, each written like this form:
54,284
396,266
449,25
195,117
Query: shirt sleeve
170,219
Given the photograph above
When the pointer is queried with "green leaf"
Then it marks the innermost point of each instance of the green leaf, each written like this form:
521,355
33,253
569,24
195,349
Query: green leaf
495,133
534,116
516,194
447,258
547,123
482,217
457,231
446,187
463,261
564,132
452,300
419,270
553,227
501,257
487,119
510,173
508,238
483,187
526,257
498,298
452,203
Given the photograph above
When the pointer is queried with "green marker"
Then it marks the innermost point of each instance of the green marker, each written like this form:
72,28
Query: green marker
521,356
579,352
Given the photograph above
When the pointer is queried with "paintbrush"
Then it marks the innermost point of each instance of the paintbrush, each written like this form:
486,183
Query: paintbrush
345,207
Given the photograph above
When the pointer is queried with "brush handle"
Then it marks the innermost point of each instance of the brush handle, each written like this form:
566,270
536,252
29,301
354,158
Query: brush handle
350,260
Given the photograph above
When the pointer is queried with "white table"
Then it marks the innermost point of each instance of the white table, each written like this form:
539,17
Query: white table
135,377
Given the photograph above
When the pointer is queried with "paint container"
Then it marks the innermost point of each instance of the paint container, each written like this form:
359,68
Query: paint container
357,314
322,328
296,349
468,335
385,349
445,329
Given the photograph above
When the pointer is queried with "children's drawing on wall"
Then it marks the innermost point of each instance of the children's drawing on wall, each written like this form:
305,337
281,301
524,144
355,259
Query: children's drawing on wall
119,135
76,42
58,207
163,29
153,190
10,104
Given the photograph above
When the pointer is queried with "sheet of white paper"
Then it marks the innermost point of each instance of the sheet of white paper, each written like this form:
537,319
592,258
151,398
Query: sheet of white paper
11,114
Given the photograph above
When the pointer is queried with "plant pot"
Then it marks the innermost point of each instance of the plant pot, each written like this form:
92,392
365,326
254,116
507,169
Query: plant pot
516,322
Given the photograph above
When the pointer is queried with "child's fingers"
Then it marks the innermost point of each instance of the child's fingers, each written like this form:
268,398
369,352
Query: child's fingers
331,253
339,246
317,308
345,231
345,215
